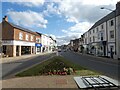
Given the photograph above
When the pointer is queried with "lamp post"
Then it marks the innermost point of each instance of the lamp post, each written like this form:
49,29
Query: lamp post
115,22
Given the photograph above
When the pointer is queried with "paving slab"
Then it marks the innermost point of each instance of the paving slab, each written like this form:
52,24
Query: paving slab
40,82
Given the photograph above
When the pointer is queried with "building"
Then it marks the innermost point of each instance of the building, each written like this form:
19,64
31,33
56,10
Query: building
38,44
103,38
75,46
17,41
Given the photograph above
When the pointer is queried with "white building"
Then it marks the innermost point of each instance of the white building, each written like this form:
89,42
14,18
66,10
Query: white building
103,38
48,43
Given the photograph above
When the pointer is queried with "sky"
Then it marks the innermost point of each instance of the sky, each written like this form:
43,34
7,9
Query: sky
62,19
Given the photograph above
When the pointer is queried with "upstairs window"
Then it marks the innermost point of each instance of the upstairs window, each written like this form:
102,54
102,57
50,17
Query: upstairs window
90,39
97,29
102,26
93,30
27,37
111,23
93,38
111,34
38,40
20,36
90,32
31,38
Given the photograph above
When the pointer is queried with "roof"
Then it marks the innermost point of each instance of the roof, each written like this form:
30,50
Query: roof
106,18
22,28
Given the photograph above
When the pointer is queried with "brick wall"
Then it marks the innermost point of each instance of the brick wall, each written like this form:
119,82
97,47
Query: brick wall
16,35
7,31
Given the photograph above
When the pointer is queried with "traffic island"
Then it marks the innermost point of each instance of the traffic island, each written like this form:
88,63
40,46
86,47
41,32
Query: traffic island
56,66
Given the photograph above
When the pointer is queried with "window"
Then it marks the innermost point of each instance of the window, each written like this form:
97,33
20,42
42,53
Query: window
90,39
93,30
85,41
111,23
98,35
38,40
111,34
93,38
97,29
90,32
20,36
31,38
101,36
27,37
102,26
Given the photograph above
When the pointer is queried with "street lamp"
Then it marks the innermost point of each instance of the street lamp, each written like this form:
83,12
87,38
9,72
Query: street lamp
106,8
115,22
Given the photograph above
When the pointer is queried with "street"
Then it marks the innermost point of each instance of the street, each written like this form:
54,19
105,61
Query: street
11,68
104,66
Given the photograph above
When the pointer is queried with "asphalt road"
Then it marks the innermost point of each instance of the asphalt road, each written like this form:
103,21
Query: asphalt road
11,68
104,66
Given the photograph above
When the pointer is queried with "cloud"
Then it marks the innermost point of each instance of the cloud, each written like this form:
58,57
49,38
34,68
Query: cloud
78,29
28,18
73,32
28,3
84,10
51,8
53,36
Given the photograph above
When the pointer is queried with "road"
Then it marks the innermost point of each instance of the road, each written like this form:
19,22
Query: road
11,68
104,66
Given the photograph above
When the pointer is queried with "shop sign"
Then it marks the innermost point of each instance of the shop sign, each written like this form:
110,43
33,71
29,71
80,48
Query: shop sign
38,45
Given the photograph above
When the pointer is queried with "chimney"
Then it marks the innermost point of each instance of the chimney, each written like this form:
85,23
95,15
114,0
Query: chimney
5,18
118,8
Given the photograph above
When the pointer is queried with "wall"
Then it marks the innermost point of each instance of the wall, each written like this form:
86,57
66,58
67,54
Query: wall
7,31
16,35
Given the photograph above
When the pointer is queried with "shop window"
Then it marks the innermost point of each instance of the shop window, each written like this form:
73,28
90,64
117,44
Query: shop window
4,49
101,36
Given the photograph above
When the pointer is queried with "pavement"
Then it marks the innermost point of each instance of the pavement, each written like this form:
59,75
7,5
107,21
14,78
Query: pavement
40,82
23,57
101,58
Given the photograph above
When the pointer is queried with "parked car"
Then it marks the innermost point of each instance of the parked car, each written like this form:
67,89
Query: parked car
59,50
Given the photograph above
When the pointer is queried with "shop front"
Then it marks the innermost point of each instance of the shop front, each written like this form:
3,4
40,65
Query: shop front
13,48
38,48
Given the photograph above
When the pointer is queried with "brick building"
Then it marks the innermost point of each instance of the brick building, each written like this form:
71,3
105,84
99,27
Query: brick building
16,40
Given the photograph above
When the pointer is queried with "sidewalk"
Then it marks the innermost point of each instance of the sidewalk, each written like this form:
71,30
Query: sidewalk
102,58
40,82
23,57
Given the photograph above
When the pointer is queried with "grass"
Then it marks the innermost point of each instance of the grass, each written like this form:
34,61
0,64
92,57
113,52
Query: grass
55,64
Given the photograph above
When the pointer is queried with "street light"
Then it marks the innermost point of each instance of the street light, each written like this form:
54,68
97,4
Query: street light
106,8
115,22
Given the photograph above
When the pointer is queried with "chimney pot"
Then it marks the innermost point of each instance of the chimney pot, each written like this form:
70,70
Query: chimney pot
5,18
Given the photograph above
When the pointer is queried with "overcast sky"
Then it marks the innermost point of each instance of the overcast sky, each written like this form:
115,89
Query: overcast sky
62,19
